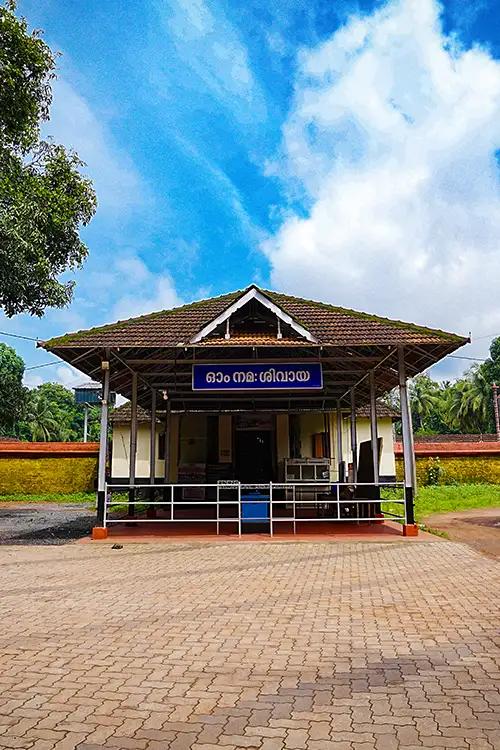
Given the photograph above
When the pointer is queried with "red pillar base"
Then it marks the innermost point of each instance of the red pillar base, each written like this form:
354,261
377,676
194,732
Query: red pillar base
410,529
99,532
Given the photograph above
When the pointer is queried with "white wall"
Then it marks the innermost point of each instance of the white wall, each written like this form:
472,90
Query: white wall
311,423
193,439
121,451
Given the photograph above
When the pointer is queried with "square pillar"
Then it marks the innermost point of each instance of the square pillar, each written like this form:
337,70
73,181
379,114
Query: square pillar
354,436
340,456
99,531
133,446
374,428
409,528
151,512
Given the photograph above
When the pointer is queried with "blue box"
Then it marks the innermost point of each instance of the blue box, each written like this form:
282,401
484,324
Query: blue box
254,508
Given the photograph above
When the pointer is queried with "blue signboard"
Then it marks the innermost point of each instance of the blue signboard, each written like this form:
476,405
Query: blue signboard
257,376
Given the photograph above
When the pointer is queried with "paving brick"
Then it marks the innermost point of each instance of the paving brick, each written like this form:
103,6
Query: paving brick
268,646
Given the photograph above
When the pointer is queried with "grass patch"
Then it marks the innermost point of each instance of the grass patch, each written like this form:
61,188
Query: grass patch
85,498
447,499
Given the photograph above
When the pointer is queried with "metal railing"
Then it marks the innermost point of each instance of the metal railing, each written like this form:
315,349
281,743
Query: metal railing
282,502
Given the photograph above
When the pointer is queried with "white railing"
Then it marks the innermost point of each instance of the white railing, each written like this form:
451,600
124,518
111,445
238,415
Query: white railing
293,498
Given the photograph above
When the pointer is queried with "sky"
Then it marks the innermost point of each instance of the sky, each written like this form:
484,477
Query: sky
346,151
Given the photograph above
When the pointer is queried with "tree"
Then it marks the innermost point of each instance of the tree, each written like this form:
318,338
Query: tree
12,391
44,198
425,402
469,402
41,421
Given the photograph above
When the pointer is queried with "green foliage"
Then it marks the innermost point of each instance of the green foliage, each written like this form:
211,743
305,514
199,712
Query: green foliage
434,471
465,406
456,470
44,198
12,392
52,414
449,498
47,475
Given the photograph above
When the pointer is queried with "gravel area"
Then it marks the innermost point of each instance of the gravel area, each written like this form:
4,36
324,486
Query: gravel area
479,528
48,523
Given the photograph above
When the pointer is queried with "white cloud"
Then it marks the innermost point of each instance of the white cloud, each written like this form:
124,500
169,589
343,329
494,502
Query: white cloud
392,139
214,58
118,185
150,292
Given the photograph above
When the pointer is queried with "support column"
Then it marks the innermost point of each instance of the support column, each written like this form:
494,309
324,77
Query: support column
100,531
374,428
354,436
409,528
340,457
85,423
167,443
151,512
133,446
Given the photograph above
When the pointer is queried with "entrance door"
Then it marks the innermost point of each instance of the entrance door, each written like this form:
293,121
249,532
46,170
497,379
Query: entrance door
254,460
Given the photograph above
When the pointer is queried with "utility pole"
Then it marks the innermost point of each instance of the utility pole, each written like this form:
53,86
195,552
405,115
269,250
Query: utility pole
495,409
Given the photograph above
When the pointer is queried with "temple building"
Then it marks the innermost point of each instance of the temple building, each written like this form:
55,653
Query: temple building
262,410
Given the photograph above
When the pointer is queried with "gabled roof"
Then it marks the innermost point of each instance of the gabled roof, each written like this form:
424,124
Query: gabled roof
326,324
247,324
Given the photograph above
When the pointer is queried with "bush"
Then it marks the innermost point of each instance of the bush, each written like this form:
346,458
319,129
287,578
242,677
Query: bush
434,472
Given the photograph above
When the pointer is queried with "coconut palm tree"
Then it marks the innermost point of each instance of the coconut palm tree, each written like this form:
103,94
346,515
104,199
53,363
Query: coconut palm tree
426,400
469,402
42,421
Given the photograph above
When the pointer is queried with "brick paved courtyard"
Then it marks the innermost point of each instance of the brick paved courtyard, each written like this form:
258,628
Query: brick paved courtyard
312,645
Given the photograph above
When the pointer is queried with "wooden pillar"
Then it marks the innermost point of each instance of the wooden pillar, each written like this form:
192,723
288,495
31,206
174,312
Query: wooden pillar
409,528
354,436
103,444
340,457
133,446
374,428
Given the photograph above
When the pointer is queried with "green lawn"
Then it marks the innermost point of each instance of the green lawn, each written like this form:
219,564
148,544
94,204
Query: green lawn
447,498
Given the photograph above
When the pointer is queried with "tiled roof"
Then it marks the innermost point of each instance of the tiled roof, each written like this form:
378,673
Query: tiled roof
330,325
123,414
383,410
253,339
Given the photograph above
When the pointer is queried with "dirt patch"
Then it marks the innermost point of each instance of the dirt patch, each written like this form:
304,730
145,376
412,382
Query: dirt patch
479,528
48,523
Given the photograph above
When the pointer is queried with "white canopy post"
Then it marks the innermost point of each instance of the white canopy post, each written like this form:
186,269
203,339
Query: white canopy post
103,443
407,438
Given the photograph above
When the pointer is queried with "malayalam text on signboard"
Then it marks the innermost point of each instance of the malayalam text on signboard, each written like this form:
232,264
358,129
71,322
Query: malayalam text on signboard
257,376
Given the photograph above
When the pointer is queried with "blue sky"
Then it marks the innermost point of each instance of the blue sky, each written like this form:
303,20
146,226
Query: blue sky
338,150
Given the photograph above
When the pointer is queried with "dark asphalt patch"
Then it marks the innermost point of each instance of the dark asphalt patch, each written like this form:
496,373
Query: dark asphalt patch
45,524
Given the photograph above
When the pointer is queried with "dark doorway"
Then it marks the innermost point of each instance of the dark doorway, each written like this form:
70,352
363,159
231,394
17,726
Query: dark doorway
254,459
